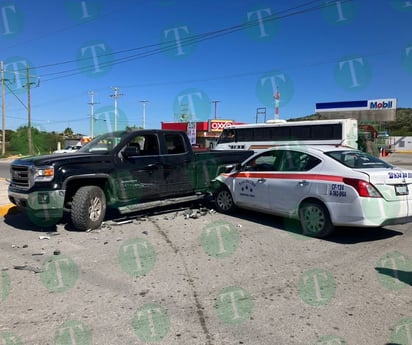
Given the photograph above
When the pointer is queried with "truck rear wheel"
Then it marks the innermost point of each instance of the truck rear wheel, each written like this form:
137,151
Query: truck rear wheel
88,208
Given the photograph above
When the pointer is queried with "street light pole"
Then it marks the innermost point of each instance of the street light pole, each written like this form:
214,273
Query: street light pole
215,102
116,95
144,112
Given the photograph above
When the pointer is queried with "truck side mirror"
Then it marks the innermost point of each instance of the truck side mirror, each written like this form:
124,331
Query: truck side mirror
131,151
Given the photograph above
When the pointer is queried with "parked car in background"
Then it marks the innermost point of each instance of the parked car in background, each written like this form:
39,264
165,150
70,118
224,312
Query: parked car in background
70,148
323,186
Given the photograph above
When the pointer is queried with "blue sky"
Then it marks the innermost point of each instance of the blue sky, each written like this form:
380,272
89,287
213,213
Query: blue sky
183,55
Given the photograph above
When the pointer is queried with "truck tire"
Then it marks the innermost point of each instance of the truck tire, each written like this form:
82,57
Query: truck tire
223,200
88,208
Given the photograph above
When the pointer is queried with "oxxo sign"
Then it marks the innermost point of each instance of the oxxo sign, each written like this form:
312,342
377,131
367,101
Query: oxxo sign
382,104
219,125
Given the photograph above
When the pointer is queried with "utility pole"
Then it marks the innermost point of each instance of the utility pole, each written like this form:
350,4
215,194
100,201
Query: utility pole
92,103
276,96
29,112
116,95
215,102
144,112
3,111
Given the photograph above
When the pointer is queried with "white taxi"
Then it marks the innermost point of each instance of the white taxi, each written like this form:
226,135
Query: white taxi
321,185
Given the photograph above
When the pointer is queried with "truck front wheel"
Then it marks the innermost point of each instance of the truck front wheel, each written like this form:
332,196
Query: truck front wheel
88,208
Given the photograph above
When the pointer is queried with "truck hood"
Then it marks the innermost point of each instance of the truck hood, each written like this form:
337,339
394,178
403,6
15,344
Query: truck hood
60,158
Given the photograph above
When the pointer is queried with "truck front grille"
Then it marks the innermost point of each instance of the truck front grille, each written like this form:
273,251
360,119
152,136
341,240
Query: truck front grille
20,176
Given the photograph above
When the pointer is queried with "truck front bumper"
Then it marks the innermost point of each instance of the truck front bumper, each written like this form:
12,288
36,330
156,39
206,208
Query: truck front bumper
44,204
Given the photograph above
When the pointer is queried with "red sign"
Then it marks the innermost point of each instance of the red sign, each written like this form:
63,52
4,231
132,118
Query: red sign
219,125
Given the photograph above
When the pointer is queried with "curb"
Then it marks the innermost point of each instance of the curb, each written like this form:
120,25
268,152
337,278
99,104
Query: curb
7,209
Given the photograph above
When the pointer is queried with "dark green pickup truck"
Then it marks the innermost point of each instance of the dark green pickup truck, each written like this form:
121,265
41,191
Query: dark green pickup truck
127,170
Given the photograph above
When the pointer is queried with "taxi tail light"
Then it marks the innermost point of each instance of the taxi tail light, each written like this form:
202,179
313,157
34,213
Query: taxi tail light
364,189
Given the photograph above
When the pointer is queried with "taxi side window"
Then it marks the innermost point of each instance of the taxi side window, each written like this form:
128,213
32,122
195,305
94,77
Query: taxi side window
298,161
265,162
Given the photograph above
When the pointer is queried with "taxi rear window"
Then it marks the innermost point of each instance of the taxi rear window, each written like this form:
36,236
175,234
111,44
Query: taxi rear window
358,159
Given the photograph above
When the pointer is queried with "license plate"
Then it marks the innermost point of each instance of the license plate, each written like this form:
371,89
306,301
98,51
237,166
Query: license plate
401,189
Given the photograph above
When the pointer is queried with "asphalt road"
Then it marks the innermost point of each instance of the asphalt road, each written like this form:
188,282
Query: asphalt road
209,279
5,168
191,276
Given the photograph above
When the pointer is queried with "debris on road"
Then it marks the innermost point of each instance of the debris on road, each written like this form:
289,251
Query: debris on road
28,268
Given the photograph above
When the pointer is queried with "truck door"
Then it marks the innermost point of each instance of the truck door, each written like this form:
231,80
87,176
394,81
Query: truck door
178,164
140,174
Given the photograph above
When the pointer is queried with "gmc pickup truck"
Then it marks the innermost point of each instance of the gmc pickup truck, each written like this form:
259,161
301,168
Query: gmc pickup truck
127,171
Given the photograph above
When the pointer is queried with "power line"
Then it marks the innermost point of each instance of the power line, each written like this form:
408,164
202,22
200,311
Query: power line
154,49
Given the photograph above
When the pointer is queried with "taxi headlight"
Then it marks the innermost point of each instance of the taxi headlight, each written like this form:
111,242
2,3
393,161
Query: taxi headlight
43,174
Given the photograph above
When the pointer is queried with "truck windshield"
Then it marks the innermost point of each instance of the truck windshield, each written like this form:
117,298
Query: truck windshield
105,142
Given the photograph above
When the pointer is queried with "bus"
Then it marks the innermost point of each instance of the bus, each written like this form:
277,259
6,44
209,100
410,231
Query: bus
260,136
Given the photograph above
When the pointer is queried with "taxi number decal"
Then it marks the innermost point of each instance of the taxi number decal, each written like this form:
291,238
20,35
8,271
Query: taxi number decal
399,174
337,190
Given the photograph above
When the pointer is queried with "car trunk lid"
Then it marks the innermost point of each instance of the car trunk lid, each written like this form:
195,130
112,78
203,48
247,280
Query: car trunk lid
394,184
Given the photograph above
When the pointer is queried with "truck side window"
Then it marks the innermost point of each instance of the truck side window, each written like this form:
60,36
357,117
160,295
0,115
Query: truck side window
151,146
175,144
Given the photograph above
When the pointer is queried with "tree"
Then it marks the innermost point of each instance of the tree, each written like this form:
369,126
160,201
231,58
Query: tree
68,132
43,142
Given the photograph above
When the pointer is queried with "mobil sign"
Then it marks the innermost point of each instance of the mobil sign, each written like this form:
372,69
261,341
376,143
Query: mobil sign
382,104
219,125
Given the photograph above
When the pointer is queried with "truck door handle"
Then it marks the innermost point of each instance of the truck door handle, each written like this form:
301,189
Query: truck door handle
261,180
303,183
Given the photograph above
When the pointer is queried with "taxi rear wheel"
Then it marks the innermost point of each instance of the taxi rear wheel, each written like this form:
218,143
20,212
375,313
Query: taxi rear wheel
314,219
224,201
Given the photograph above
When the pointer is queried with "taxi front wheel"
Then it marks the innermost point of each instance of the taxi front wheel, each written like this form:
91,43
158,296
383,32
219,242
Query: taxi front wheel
223,200
314,219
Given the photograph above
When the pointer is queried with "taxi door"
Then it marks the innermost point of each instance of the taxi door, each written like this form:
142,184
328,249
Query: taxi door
251,185
290,183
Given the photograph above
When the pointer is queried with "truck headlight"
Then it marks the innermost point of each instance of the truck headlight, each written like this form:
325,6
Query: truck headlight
43,174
